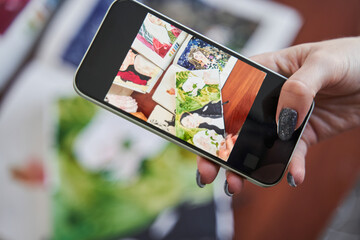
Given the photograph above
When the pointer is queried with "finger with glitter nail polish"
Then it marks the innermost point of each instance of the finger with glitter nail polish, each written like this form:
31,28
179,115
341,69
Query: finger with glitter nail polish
287,122
226,189
198,179
291,180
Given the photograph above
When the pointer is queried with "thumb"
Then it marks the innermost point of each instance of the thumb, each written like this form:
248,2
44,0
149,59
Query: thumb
296,97
307,76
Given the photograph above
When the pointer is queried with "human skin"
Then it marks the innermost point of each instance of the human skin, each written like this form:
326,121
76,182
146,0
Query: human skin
327,72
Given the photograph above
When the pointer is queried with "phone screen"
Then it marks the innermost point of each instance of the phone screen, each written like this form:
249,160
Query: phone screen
185,86
179,84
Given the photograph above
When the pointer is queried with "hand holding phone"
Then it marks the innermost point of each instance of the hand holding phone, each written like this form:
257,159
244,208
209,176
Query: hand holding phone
188,89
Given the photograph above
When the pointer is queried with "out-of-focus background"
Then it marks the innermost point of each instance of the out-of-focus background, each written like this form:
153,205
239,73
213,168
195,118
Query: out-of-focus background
69,170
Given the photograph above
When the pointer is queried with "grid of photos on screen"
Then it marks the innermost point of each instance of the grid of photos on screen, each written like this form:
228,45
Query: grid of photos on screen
174,81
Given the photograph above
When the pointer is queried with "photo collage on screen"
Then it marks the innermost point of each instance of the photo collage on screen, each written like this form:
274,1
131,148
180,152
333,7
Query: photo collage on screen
185,86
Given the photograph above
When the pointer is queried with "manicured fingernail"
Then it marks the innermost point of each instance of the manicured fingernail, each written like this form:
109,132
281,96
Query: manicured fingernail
291,180
287,123
198,179
226,189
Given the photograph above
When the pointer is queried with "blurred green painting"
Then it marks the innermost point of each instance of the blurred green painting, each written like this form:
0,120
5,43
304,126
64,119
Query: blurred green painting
112,178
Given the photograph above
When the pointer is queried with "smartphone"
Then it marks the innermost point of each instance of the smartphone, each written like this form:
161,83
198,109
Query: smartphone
188,89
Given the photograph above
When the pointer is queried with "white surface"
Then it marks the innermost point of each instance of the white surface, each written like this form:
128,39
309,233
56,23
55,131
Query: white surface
24,210
20,37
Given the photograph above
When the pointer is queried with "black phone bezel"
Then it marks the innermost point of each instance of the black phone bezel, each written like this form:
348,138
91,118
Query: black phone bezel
258,136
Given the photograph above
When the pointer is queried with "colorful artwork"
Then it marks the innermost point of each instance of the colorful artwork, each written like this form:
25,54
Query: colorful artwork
158,40
163,119
126,103
180,91
196,54
199,116
158,35
137,73
201,55
165,92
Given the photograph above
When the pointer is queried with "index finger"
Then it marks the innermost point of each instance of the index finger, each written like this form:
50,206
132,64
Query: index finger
207,169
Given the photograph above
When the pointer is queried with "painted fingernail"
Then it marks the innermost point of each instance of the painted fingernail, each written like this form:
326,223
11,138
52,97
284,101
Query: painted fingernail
198,179
226,189
291,180
287,122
